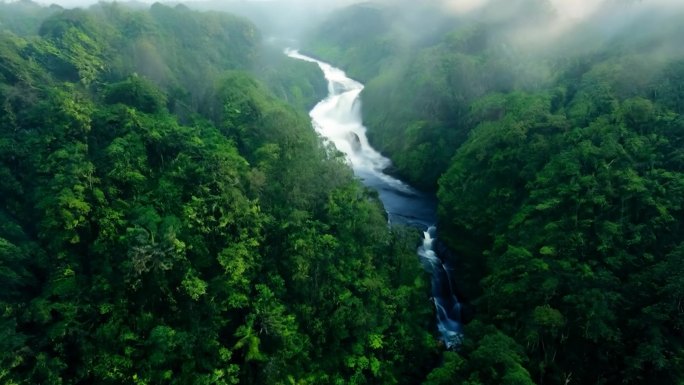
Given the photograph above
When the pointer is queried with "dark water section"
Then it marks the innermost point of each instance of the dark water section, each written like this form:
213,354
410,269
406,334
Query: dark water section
337,118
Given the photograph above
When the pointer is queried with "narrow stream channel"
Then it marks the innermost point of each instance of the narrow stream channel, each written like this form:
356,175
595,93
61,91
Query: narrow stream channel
337,118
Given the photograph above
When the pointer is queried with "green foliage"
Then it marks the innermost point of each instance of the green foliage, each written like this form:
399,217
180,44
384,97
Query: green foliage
24,17
420,86
165,219
572,212
558,164
492,358
356,38
138,93
297,82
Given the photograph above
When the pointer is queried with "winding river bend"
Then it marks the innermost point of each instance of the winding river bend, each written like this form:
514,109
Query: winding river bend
337,118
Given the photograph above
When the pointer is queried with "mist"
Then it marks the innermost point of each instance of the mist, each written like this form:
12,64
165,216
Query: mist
537,23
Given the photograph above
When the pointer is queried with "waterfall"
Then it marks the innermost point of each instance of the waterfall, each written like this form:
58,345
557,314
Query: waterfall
447,306
338,120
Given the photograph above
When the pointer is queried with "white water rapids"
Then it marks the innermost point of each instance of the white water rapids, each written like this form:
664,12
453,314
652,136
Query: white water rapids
337,119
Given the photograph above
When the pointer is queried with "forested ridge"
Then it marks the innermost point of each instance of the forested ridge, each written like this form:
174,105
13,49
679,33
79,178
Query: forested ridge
557,160
168,214
166,218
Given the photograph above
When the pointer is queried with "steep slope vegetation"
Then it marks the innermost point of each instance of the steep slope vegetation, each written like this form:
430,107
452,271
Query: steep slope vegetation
165,219
557,160
423,70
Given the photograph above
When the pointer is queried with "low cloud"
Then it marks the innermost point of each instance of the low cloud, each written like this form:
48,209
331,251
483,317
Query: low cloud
463,6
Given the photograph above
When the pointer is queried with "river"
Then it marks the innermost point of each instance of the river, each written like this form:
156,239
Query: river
337,118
